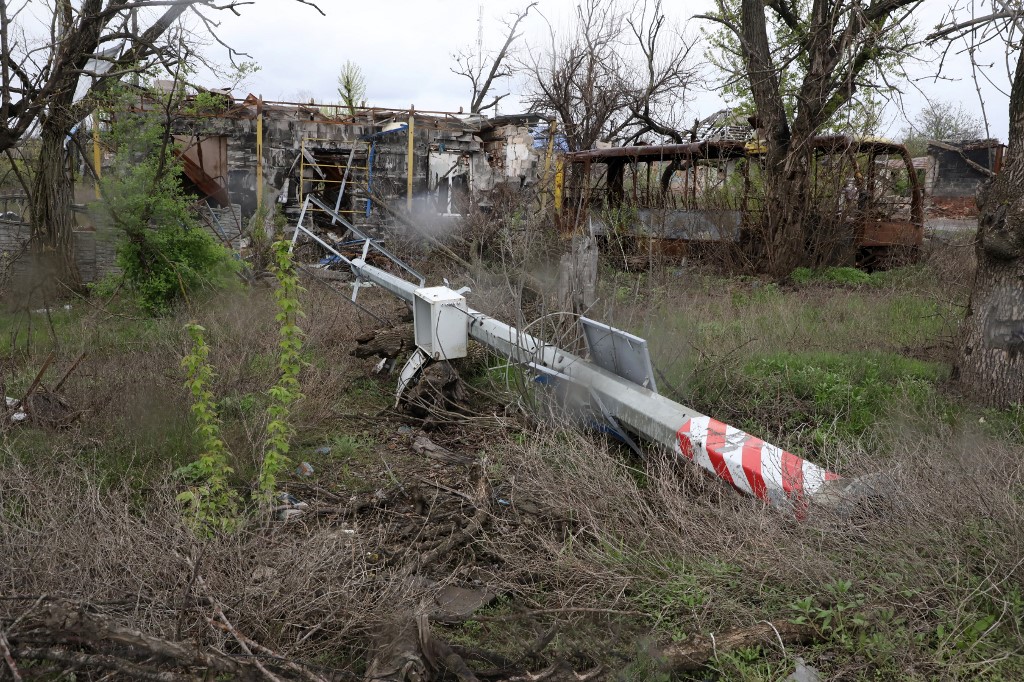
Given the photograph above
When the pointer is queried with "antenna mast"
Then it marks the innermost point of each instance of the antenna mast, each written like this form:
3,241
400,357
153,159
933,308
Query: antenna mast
480,38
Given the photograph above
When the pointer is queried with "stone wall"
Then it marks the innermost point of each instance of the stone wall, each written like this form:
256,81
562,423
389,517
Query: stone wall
94,255
96,252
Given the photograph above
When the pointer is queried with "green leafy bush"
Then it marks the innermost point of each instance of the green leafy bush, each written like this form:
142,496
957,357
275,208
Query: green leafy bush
286,392
212,504
164,254
167,263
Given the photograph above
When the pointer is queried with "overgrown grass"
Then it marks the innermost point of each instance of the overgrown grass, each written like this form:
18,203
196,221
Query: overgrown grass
811,365
900,593
851,370
821,397
613,554
134,412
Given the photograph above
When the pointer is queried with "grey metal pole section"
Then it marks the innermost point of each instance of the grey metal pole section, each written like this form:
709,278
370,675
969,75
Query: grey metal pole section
748,463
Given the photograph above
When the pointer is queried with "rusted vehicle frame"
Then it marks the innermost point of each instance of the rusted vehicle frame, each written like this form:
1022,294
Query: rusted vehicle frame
873,234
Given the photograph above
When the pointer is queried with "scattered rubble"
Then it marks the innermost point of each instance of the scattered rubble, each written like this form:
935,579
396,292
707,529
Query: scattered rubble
15,412
40,405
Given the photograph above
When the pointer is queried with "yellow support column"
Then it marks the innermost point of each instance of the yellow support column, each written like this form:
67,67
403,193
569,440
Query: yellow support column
259,153
559,183
409,160
97,157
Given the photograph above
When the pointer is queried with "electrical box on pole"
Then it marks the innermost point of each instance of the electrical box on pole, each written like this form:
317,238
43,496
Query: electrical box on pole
440,323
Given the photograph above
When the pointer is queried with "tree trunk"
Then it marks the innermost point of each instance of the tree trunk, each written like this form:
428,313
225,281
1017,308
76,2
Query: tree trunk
779,240
991,366
786,210
51,213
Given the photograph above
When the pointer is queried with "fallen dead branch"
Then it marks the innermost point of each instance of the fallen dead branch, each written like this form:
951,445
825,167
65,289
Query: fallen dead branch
44,406
415,653
67,373
549,672
61,628
80,660
422,445
697,653
5,647
220,622
533,613
410,650
38,378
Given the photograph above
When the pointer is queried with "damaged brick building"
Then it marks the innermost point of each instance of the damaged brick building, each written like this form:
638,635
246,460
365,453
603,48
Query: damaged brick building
359,161
237,153
956,171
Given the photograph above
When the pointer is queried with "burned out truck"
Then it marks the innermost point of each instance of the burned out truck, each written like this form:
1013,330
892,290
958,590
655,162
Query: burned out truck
866,191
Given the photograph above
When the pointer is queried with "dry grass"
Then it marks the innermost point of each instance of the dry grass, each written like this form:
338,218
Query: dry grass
309,592
939,556
608,553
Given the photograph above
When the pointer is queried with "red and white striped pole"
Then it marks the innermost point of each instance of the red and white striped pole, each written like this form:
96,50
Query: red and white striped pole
750,465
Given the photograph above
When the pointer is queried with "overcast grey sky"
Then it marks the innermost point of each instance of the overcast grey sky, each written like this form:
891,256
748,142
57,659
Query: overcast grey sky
404,48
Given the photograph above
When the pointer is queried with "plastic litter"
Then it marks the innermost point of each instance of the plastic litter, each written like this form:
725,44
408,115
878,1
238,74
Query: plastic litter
289,499
804,673
305,470
14,406
43,311
291,507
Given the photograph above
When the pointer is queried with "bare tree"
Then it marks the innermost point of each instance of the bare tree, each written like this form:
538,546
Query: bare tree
473,65
835,42
579,77
351,86
991,360
657,91
612,75
57,80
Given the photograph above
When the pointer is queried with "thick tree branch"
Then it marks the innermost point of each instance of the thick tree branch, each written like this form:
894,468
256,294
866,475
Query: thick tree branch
480,94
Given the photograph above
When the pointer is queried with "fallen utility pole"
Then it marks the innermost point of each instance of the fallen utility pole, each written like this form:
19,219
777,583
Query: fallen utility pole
443,323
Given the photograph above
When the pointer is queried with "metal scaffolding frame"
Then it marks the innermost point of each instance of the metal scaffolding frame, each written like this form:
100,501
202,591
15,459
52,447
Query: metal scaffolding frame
351,178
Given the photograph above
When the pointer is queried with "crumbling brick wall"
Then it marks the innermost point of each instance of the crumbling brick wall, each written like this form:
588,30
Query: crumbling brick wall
954,176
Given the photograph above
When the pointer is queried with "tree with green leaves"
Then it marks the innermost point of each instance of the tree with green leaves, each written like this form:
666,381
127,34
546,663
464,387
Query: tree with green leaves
164,253
52,81
860,115
941,120
807,65
351,86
